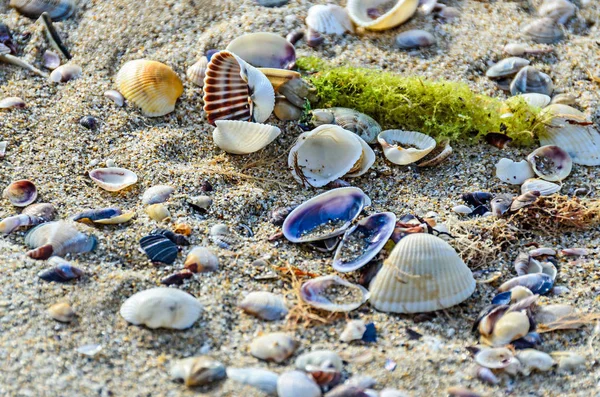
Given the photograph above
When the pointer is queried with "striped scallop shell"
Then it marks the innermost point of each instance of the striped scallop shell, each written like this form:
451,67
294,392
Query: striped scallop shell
242,137
545,188
381,14
422,274
235,90
161,308
151,85
197,72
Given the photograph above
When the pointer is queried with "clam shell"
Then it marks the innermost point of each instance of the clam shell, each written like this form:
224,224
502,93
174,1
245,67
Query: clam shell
62,271
349,119
56,9
332,293
531,80
544,187
197,72
494,358
113,179
329,19
513,172
158,212
264,305
115,96
279,77
61,236
62,312
105,216
381,14
405,147
324,154
423,273
31,216
235,90
538,283
157,194
415,38
506,67
159,248
509,327
198,371
550,163
200,260
264,50
152,86
276,346
367,159
333,211
536,99
21,193
544,30
324,359
297,384
262,379
558,10
12,102
242,137
161,308
65,73
532,359
501,203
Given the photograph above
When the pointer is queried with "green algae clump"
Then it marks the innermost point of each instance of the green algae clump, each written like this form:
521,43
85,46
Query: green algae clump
441,109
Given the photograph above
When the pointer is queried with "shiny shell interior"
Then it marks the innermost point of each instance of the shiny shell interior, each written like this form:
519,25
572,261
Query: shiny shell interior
405,147
113,179
551,163
21,193
334,294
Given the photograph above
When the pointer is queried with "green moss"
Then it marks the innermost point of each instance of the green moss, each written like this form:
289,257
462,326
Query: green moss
437,108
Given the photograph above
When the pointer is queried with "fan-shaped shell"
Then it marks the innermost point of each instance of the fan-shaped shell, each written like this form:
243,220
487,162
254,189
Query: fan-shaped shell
513,172
56,9
197,72
242,137
113,179
422,274
235,90
264,50
329,19
381,14
152,86
349,119
57,238
405,147
161,308
544,187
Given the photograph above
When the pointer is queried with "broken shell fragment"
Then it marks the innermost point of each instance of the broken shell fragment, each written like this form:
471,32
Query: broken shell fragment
532,359
161,308
158,212
544,30
355,329
531,80
159,248
381,14
506,67
106,216
242,137
415,38
32,215
568,361
201,260
65,73
551,163
278,77
62,312
263,50
276,346
57,238
12,103
264,305
545,188
329,19
297,384
113,179
198,371
334,294
50,60
115,96
405,147
513,172
157,194
21,193
349,119
197,72
441,152
152,86
62,271
524,200
58,10
262,379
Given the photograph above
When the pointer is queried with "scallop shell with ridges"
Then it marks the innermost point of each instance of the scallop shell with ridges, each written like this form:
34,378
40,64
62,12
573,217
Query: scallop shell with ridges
197,72
544,187
161,308
405,147
381,14
235,90
422,274
243,137
264,50
152,86
329,19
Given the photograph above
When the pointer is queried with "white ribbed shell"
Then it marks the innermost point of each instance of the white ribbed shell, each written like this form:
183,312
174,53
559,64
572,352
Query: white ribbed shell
400,13
544,187
161,308
242,137
329,19
417,145
422,274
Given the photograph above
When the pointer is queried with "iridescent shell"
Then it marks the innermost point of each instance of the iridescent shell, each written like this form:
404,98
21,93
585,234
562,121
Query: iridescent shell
242,137
21,193
381,14
57,238
551,163
531,80
56,9
62,271
113,179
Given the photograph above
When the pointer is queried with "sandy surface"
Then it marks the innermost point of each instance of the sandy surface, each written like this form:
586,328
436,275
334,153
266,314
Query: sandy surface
48,146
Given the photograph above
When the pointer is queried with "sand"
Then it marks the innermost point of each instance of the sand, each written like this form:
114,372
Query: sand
48,146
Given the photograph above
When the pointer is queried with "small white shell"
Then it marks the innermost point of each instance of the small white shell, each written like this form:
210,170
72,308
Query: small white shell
544,187
569,361
494,358
161,307
325,359
513,172
197,72
297,384
242,137
3,145
65,73
535,99
532,359
405,147
262,379
115,96
264,305
462,209
50,60
197,371
276,346
12,103
200,260
157,194
355,329
158,212
381,14
113,179
329,19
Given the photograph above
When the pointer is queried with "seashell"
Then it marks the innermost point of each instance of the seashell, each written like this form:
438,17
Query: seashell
549,269
441,152
538,283
324,359
487,318
264,305
550,163
387,392
501,203
158,212
50,60
462,209
32,215
183,229
506,67
332,293
535,99
329,19
568,361
89,122
3,145
200,203
201,260
325,378
262,379
278,77
62,271
297,92
544,30
198,371
476,198
563,99
532,359
177,239
405,147
545,188
415,38
349,119
355,329
347,391
159,248
161,307
554,313
152,86
12,103
242,137
313,38
559,290
423,273
509,327
235,90
62,312
558,10
523,263
542,251
197,72
6,40
487,375
494,358
571,131
21,193
115,96
524,200
513,172
448,14
113,179
58,10
574,252
105,216
285,111
295,36
529,80
57,238
529,341
297,384
276,346
361,381
177,278
157,194
381,14
65,73
363,241
263,50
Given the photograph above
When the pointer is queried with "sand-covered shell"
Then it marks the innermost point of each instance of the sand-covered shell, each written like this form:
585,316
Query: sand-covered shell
297,384
506,67
423,273
58,10
534,360
551,163
115,96
415,38
113,179
544,30
157,194
21,193
513,172
405,147
264,305
243,137
264,50
198,371
568,361
349,119
197,72
262,379
57,238
354,330
333,293
531,80
329,19
235,90
200,260
544,187
276,346
381,14
152,86
161,308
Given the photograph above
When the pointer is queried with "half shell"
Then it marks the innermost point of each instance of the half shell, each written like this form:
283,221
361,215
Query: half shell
57,238
21,193
56,9
544,30
405,147
296,384
349,119
531,80
157,194
334,294
242,137
544,187
113,179
329,19
264,50
381,14
551,163
197,72
506,67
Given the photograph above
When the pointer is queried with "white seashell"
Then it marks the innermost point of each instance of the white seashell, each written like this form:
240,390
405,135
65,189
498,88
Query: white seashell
297,384
509,327
558,10
569,361
381,14
157,194
494,358
12,103
113,179
367,159
242,137
262,379
355,329
65,73
276,346
200,260
158,212
264,50
50,60
57,238
405,147
115,96
513,172
535,99
551,163
324,359
197,72
329,19
557,313
264,305
324,154
462,209
423,273
161,308
198,371
544,187
519,293
341,296
532,359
